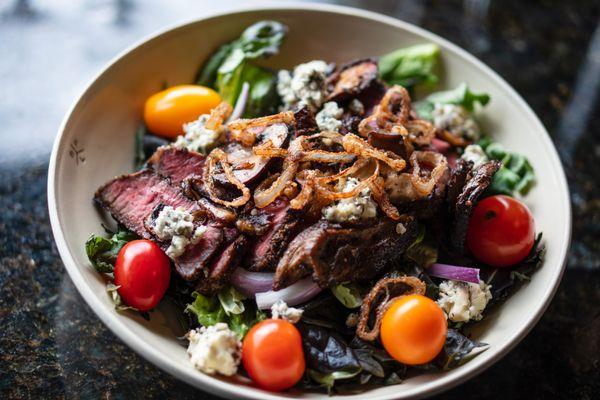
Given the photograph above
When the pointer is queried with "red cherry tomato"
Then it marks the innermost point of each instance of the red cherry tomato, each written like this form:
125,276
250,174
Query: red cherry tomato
272,354
501,231
413,329
142,271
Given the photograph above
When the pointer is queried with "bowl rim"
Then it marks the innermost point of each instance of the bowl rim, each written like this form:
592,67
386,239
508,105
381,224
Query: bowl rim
222,388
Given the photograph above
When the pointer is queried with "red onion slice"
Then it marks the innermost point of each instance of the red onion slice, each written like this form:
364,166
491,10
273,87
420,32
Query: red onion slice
453,272
298,293
240,103
441,146
250,283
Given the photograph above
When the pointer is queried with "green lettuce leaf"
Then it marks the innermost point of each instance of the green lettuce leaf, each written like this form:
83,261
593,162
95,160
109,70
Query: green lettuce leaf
423,252
347,294
516,174
461,95
102,252
211,310
229,67
410,66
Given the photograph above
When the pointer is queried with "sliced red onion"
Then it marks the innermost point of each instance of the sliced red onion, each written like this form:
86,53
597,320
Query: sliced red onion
298,293
240,103
250,283
453,272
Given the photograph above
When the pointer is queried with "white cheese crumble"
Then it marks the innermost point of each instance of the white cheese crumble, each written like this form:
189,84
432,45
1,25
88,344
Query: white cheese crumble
455,119
354,208
197,137
328,119
356,107
280,310
305,86
177,225
462,301
475,154
215,349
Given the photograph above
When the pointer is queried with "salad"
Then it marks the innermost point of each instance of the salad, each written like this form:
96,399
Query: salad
320,227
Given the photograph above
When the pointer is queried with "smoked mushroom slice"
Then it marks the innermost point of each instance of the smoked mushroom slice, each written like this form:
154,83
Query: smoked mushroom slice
352,79
381,296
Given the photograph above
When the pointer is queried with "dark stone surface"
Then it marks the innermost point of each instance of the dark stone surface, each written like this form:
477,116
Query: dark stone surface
53,346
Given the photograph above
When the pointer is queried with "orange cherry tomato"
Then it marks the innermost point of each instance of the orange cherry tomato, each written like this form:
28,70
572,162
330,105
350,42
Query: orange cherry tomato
413,329
272,354
165,112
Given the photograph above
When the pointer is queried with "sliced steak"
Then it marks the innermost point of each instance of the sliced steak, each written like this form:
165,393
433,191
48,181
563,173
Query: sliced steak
133,199
304,122
476,182
279,225
334,254
176,164
130,199
352,79
222,266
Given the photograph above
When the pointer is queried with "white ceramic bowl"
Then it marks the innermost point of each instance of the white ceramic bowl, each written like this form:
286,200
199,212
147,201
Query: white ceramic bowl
96,141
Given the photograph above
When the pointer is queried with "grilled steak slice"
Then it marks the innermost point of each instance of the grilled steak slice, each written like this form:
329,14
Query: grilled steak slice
352,79
222,266
133,199
278,225
476,182
334,254
130,199
176,164
304,122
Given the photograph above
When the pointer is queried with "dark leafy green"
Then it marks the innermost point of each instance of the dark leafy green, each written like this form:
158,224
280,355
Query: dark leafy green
459,349
516,174
102,252
210,310
229,67
504,281
410,66
423,251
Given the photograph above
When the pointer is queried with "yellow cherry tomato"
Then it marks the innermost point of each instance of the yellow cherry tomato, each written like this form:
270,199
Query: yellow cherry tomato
165,112
413,329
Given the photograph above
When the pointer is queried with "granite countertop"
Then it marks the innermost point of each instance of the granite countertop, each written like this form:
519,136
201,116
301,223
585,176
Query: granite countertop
53,346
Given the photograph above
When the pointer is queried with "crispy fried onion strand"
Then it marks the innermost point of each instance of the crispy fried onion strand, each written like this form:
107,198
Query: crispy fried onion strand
380,298
218,115
355,145
454,140
291,164
267,150
381,197
215,156
424,180
245,131
420,131
390,115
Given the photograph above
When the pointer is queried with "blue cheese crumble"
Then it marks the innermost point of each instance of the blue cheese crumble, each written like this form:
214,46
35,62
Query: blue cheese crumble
462,301
475,154
215,349
305,86
456,120
328,119
280,310
177,226
354,208
197,137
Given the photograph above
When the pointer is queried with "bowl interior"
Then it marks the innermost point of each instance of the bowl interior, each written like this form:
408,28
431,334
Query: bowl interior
97,142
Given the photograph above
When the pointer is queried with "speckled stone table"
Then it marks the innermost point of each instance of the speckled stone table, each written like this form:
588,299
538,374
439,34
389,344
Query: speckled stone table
53,346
